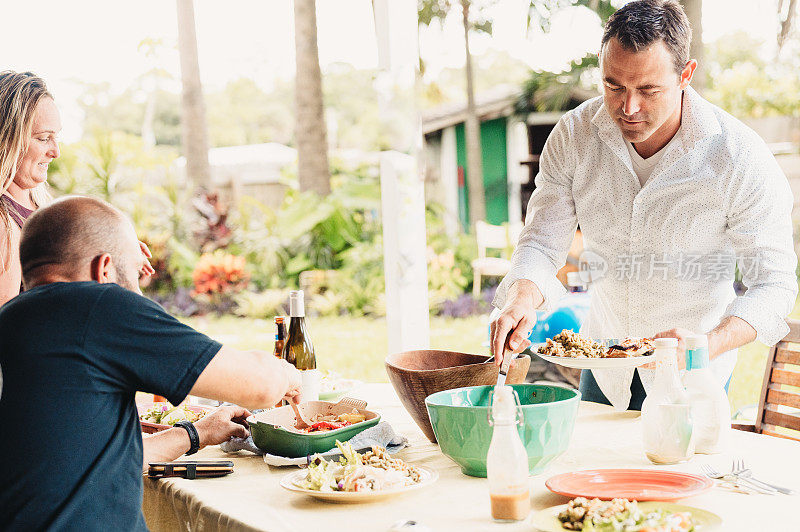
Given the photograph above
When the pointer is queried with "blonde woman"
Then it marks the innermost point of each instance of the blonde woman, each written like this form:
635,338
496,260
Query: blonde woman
29,128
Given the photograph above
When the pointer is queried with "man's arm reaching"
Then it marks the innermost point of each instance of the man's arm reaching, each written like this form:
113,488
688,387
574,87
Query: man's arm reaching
731,332
253,379
517,318
219,426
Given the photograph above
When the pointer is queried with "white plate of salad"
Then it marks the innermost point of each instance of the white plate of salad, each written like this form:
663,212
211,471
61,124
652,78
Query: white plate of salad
621,515
574,350
356,477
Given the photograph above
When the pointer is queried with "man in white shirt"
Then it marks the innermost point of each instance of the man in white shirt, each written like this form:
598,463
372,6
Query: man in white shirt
671,193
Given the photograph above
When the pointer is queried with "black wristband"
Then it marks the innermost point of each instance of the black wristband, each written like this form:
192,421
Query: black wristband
194,438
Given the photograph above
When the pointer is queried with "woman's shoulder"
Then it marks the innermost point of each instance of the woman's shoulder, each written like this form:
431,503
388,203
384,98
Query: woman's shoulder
10,232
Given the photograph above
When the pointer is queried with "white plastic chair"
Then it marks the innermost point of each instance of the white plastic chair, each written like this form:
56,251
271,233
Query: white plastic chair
502,237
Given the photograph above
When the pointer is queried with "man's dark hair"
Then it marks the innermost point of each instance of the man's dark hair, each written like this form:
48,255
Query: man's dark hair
639,24
69,233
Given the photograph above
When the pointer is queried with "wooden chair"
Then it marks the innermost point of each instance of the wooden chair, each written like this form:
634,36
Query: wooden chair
779,404
502,237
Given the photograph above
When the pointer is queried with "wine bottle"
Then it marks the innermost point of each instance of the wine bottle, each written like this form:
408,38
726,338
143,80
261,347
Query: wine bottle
280,342
298,349
280,335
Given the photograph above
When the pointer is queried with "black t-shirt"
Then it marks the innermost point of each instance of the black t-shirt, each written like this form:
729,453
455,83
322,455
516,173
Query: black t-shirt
72,356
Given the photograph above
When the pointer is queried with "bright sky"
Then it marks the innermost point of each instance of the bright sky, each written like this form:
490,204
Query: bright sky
97,40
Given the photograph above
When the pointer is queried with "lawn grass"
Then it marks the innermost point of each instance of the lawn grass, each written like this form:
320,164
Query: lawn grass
355,347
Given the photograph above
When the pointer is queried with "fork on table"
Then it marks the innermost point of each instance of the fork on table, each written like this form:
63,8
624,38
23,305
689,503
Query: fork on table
739,470
710,472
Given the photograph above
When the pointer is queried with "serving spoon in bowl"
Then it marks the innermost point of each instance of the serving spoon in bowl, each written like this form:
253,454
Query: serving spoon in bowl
299,422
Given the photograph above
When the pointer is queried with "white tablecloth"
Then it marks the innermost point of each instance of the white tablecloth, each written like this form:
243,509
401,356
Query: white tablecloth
251,498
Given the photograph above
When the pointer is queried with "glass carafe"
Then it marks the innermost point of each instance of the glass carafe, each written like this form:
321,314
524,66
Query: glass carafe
666,412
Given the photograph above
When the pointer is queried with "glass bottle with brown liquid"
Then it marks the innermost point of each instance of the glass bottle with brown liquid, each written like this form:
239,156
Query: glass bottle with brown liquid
507,460
280,341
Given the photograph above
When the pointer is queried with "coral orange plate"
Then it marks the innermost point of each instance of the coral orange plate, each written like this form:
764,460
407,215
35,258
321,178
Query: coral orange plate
631,484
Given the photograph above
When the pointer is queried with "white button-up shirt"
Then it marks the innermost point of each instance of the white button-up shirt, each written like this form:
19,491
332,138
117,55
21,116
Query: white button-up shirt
663,254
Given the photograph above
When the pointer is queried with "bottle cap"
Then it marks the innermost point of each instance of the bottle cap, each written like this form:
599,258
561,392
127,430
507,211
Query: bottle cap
574,279
696,341
661,343
696,352
504,405
296,304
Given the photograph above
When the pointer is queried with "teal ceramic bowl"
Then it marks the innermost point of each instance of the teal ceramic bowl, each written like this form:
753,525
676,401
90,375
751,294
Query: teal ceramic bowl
459,419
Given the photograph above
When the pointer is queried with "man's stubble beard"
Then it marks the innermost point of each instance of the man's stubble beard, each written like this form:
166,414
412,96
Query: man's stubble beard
123,281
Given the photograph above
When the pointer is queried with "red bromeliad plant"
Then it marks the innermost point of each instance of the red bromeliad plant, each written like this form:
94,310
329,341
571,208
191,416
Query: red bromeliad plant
220,273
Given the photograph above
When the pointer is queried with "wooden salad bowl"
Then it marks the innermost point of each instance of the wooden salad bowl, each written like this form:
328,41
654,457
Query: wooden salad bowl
417,374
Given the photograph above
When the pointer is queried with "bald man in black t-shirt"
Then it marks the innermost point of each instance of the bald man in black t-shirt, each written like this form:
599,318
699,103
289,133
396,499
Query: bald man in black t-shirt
74,349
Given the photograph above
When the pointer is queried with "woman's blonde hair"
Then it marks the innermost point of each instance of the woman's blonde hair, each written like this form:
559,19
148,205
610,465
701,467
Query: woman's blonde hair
20,93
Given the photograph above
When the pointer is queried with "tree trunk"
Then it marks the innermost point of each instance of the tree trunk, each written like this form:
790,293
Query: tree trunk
694,11
193,108
148,130
313,172
472,131
786,23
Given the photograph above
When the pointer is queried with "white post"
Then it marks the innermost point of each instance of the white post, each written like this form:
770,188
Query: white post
402,184
448,162
516,152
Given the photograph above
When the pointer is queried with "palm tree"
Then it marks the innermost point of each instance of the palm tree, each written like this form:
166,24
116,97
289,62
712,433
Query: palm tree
313,172
548,91
472,133
428,11
150,83
542,11
193,108
474,18
694,11
785,21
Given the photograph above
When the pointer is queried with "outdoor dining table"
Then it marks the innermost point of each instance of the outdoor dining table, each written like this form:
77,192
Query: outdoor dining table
252,499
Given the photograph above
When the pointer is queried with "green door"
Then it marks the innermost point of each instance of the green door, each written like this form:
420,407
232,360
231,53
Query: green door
495,172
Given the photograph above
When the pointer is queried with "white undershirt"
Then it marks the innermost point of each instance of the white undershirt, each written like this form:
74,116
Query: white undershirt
644,167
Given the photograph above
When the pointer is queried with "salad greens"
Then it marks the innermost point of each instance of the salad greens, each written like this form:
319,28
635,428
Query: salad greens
166,414
375,470
322,475
621,515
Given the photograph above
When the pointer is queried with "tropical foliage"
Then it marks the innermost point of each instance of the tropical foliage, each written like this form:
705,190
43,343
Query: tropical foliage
550,91
219,273
743,82
251,273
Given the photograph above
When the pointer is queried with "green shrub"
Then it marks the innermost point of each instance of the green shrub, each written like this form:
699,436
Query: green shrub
265,304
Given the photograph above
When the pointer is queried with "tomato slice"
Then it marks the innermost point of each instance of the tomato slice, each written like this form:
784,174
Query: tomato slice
327,425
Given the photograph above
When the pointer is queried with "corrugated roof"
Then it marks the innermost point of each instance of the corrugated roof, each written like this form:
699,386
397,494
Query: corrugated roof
489,105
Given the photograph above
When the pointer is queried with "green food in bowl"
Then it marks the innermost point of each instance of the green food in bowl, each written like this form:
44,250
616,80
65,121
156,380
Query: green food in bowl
459,419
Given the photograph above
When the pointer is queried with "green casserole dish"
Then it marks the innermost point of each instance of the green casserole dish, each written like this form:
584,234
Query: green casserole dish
270,434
